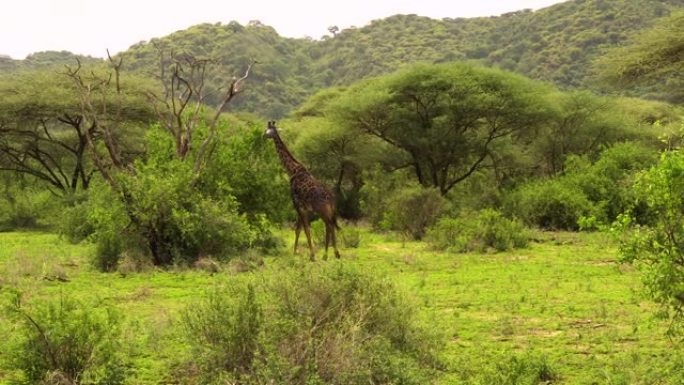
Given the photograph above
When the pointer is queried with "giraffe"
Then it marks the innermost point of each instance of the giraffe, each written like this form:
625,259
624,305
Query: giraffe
308,196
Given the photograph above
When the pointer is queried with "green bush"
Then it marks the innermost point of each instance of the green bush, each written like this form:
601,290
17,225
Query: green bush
549,204
179,221
513,369
247,166
265,239
351,236
103,219
22,207
223,331
67,342
607,183
377,192
412,210
312,324
317,234
655,246
348,237
588,194
73,223
478,232
167,211
339,325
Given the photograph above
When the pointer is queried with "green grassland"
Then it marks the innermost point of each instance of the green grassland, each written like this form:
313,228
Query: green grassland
563,308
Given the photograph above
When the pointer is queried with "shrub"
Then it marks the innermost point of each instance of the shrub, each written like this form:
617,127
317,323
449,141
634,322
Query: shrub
22,207
413,209
655,246
73,222
265,239
67,342
329,324
249,165
549,204
588,196
512,369
223,331
348,236
607,183
351,236
317,234
479,232
104,217
377,192
165,211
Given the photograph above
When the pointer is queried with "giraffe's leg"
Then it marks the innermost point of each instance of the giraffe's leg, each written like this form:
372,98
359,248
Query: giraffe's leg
327,240
333,238
307,231
298,229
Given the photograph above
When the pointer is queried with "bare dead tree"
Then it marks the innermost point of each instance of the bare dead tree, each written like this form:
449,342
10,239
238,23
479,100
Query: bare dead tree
180,110
180,106
94,91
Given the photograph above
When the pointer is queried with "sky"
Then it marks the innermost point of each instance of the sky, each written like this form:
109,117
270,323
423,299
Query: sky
90,27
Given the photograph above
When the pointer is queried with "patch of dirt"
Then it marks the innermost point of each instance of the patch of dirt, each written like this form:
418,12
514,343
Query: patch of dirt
586,323
604,262
386,248
140,294
582,349
518,258
545,333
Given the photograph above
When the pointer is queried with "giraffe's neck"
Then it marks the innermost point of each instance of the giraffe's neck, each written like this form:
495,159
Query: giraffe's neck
292,166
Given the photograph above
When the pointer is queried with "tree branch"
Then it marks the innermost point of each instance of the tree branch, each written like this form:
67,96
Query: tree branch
234,88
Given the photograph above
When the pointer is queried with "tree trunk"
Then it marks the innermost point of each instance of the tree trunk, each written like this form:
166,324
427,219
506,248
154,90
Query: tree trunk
161,256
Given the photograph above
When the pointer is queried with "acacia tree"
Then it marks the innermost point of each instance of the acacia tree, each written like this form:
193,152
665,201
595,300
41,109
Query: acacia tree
43,133
580,123
182,114
445,119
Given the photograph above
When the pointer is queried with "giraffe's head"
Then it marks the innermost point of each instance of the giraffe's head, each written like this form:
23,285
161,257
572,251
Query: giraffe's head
271,130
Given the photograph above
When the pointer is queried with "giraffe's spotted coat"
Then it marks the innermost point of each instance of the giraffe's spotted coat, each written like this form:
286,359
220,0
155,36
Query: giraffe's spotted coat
308,195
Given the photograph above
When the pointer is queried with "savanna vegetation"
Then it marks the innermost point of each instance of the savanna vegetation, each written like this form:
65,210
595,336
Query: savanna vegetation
509,191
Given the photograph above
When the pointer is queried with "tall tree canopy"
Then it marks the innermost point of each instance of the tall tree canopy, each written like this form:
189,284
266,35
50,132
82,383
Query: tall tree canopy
445,119
43,133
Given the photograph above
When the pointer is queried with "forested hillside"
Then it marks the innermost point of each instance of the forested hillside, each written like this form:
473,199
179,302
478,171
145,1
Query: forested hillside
554,44
43,59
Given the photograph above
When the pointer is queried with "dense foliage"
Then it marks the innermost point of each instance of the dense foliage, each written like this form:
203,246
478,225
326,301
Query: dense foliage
477,231
443,120
67,342
587,195
168,212
44,135
653,242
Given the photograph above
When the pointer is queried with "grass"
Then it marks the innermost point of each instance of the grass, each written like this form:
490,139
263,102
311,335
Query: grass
562,311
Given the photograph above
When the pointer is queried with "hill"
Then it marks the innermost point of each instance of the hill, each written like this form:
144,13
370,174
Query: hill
554,44
43,59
